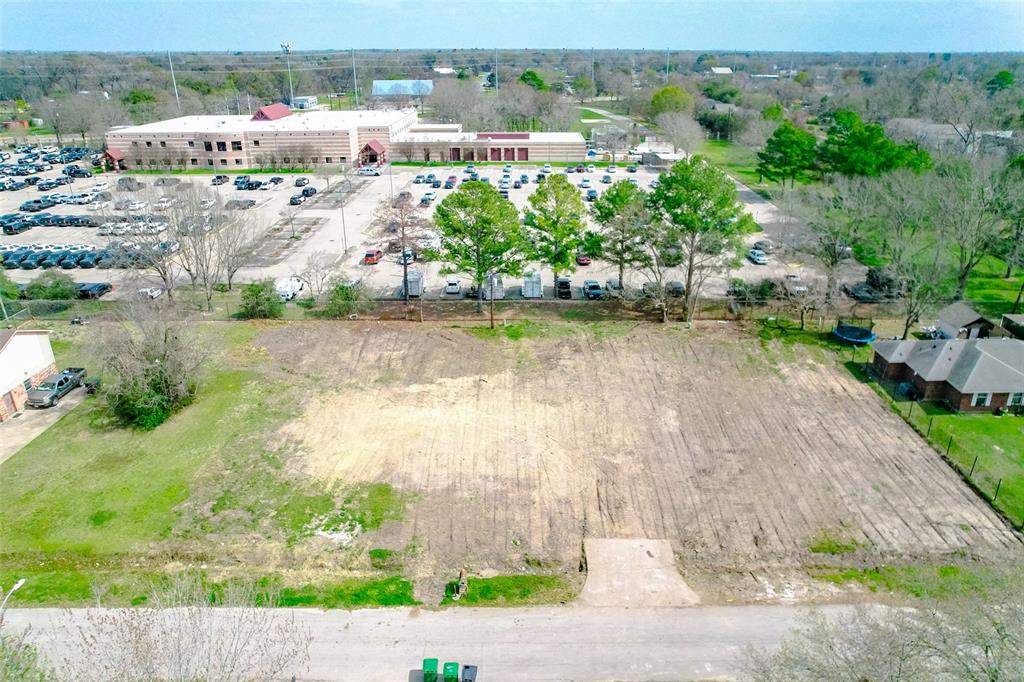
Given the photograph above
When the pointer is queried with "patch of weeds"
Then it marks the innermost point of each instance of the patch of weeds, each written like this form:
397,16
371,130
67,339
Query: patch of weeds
582,315
510,590
296,515
350,594
829,542
522,329
372,504
100,518
385,559
932,582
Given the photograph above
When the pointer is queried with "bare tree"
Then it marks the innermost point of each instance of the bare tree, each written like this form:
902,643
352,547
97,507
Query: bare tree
402,225
235,242
963,107
179,635
680,130
320,267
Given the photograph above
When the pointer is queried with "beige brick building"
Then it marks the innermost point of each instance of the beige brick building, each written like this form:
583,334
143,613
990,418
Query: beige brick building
25,359
276,137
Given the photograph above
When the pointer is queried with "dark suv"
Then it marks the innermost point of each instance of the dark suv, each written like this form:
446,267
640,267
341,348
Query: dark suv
563,287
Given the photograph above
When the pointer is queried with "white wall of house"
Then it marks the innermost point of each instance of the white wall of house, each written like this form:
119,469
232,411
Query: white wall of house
27,353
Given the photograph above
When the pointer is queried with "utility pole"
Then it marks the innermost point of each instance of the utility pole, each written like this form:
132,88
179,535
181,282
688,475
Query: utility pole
355,83
287,49
592,80
666,64
238,104
174,82
495,69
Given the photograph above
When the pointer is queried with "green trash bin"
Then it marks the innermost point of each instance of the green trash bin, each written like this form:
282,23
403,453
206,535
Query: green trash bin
429,670
451,672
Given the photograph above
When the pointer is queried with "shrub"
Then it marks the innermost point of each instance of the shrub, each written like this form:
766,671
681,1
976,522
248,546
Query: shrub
52,286
344,299
260,301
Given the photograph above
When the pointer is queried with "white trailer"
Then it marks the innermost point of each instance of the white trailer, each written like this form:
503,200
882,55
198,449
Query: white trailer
493,285
532,287
415,279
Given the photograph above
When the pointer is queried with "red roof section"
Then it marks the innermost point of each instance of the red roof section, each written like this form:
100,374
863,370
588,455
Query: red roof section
272,112
375,146
114,155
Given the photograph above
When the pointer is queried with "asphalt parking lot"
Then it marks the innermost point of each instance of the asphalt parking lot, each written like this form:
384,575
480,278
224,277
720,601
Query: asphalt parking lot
339,221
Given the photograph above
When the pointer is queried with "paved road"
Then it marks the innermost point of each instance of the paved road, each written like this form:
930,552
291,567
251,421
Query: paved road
516,645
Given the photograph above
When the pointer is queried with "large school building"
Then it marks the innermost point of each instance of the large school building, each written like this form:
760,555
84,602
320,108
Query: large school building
277,137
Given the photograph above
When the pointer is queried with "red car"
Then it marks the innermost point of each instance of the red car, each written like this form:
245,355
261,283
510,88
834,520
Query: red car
582,259
373,257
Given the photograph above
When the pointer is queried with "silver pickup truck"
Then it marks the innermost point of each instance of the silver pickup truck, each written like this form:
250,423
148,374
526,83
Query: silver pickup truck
54,387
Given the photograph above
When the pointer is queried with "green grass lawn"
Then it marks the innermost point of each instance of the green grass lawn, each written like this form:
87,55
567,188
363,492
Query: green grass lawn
989,292
736,160
512,590
928,582
590,113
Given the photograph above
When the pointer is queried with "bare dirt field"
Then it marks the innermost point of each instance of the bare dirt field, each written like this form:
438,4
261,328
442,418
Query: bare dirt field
515,451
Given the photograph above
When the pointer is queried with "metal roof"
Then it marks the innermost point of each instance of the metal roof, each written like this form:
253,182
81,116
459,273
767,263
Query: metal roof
959,314
403,88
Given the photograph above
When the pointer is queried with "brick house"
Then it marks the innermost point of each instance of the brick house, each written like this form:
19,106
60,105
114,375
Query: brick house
970,375
25,359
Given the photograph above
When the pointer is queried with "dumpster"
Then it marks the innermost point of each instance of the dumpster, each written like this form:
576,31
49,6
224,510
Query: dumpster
451,672
532,287
429,670
469,673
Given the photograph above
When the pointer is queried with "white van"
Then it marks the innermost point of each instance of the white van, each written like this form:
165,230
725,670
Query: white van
532,287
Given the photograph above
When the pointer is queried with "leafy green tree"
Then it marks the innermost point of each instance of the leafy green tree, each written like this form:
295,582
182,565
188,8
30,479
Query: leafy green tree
670,98
623,214
480,235
700,207
721,90
584,88
555,221
773,112
1003,80
787,154
52,286
804,79
855,148
260,301
721,124
533,79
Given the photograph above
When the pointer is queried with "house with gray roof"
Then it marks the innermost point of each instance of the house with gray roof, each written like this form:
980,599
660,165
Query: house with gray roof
960,321
967,374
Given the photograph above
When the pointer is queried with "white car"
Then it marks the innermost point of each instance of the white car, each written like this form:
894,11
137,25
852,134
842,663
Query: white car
151,292
452,286
102,186
369,170
612,168
507,168
137,205
428,197
757,257
49,150
591,168
165,202
585,183
547,167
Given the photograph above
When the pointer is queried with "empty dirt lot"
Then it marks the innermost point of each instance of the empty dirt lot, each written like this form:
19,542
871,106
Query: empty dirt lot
740,455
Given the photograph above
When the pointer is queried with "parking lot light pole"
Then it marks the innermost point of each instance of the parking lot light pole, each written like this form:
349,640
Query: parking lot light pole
346,189
287,49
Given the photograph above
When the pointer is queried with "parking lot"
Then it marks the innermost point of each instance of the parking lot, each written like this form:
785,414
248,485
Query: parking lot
337,220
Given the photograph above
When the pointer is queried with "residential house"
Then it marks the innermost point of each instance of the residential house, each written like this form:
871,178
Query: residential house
967,374
25,359
960,321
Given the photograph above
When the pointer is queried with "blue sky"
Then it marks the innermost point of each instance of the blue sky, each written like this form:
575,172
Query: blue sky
799,25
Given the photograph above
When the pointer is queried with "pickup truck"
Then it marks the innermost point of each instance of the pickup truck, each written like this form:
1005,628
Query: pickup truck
54,387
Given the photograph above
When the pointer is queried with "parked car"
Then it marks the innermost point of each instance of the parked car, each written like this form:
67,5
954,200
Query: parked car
165,202
449,184
862,292
297,200
757,257
150,292
98,289
794,284
582,259
428,198
308,191
631,169
764,245
418,180
54,387
592,290
276,180
591,195
585,183
372,257
453,286
371,171
408,256
301,182
563,287
606,179
675,289
219,180
614,287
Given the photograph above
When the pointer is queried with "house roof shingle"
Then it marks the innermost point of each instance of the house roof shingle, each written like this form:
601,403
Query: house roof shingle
272,112
968,365
959,315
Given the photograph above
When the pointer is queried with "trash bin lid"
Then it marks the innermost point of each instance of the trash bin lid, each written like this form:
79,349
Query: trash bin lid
430,665
451,668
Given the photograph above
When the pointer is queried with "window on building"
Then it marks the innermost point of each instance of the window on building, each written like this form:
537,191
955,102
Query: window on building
209,162
222,146
255,143
208,146
195,162
287,160
1016,399
236,145
327,159
149,144
162,143
138,162
981,400
27,383
191,143
223,162
344,159
238,162
135,144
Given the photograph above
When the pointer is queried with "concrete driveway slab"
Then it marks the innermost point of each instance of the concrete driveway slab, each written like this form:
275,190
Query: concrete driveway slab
19,431
633,573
